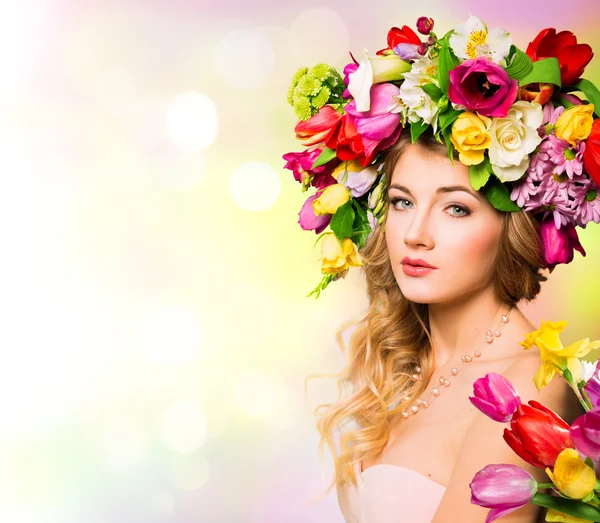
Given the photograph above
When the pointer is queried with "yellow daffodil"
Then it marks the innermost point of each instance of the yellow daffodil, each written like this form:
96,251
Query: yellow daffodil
556,358
337,258
572,476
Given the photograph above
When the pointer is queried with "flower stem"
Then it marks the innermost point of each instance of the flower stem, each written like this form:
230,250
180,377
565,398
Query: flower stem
545,485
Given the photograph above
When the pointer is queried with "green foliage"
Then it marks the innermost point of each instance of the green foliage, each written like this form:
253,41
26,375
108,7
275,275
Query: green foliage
520,64
479,174
498,196
343,220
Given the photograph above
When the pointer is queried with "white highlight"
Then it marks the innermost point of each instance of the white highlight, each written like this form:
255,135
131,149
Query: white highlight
184,427
192,121
254,186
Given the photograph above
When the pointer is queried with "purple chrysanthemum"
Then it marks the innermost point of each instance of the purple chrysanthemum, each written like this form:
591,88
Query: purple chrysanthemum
565,157
586,204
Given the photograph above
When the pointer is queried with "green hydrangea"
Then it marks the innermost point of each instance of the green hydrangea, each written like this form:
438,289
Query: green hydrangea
312,89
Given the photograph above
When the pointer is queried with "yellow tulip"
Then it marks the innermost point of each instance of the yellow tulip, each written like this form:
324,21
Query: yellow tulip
575,123
470,137
337,258
555,358
560,517
571,475
330,199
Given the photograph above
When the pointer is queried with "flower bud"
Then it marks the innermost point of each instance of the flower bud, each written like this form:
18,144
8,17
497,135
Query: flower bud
424,25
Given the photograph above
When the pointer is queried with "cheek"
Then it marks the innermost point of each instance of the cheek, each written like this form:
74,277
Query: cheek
474,246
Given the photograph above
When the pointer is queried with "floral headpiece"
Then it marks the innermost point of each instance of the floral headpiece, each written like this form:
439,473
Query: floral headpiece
530,143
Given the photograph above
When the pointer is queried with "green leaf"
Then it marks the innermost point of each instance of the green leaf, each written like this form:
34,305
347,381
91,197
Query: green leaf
433,91
479,174
446,134
361,227
446,62
572,507
342,221
326,155
546,71
498,196
417,129
520,66
447,118
591,93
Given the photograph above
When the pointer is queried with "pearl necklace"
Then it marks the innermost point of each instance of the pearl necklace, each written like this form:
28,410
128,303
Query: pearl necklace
489,338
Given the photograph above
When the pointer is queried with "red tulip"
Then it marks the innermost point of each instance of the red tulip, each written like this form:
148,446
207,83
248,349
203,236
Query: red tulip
400,36
572,57
347,142
537,434
318,127
591,155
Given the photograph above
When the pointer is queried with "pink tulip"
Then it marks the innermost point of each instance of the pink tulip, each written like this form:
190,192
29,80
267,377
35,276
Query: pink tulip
496,397
377,125
503,488
559,244
585,433
309,221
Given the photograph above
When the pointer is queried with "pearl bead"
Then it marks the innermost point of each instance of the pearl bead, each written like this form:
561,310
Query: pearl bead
497,333
415,377
436,392
489,340
419,401
454,371
404,414
466,358
425,403
442,379
447,383
415,408
488,333
505,319
477,354
418,369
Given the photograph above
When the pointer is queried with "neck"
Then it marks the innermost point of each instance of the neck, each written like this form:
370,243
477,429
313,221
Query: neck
458,327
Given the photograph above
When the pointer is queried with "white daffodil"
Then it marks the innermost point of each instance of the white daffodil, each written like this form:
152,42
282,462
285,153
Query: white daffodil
415,104
587,369
472,39
514,138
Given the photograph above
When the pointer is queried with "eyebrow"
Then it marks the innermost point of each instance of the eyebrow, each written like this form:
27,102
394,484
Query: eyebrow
445,189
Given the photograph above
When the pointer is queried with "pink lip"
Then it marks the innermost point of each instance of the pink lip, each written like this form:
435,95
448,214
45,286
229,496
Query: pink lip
416,270
417,263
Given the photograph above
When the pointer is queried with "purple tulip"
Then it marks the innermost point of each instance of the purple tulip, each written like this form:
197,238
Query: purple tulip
585,433
483,86
309,221
496,397
592,386
558,244
378,123
503,488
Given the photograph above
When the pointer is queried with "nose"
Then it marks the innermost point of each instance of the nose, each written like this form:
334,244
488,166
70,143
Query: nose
417,232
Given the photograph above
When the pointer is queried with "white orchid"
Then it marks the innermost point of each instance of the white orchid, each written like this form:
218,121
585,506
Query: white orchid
414,103
514,138
472,39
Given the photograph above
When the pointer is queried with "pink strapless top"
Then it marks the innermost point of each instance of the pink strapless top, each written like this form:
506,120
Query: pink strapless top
390,494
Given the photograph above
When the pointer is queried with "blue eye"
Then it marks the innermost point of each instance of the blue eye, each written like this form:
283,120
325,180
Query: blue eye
464,210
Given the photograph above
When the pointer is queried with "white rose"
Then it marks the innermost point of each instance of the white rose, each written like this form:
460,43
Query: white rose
514,138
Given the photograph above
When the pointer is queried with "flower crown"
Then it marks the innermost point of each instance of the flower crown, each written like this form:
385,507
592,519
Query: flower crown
530,144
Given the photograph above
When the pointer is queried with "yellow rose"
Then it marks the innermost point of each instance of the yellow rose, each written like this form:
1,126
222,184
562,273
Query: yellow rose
470,137
560,517
571,475
575,123
555,358
336,257
331,198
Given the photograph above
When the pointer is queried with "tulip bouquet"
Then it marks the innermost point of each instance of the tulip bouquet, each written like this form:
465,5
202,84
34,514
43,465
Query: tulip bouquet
570,455
529,142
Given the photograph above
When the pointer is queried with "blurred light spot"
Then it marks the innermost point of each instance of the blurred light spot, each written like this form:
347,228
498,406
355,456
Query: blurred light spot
120,443
244,58
115,91
184,427
190,472
319,35
192,121
254,186
259,393
162,502
171,335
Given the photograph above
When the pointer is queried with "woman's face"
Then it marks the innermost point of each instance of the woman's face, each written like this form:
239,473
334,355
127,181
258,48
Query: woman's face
456,231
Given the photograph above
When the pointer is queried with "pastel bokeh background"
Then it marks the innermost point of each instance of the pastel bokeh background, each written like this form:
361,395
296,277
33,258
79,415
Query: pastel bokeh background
156,332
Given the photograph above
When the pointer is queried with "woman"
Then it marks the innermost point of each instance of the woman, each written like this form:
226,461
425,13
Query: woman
419,467
459,153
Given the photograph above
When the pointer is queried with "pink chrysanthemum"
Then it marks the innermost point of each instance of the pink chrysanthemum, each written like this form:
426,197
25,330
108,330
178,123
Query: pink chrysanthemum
565,157
586,204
